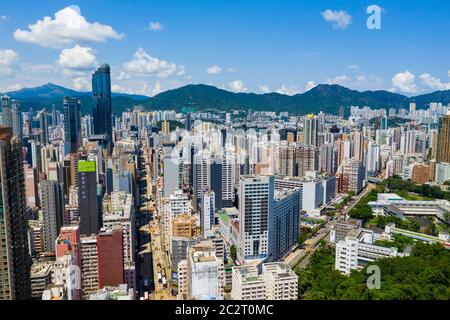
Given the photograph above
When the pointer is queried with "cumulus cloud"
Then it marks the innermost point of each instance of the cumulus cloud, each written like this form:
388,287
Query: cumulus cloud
66,28
214,70
341,80
341,19
7,59
433,82
264,89
237,86
310,85
155,26
82,84
404,81
143,64
10,88
77,58
231,69
123,76
288,90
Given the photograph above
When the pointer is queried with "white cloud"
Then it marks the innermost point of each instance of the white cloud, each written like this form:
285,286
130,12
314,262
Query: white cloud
360,82
288,90
214,70
10,88
67,27
82,84
404,81
143,64
157,89
310,85
433,82
237,86
7,59
353,66
117,88
231,69
341,80
341,19
123,76
264,89
155,26
77,58
449,73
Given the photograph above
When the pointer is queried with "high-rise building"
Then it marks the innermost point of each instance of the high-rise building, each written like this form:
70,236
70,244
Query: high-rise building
328,157
373,159
16,119
256,196
89,265
101,91
52,204
205,269
227,195
15,261
88,198
284,223
207,211
6,111
310,130
72,125
307,159
43,125
443,144
171,175
201,176
110,257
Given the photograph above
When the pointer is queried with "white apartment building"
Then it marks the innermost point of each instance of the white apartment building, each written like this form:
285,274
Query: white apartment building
256,196
247,284
281,282
206,276
66,273
275,282
356,251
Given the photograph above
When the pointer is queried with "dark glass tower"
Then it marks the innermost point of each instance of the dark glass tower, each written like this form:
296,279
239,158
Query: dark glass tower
101,92
72,125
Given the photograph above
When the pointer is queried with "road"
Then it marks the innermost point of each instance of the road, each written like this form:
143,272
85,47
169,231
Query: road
300,257
144,265
153,252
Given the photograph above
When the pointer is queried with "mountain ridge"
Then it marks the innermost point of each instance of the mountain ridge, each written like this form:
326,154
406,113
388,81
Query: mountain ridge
323,97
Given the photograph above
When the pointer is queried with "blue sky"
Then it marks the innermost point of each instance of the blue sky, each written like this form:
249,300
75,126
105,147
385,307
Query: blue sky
248,46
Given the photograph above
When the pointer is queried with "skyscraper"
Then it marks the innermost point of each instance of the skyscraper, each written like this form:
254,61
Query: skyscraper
207,211
310,127
256,196
16,119
6,111
101,92
43,125
201,175
53,210
15,261
72,125
443,144
90,217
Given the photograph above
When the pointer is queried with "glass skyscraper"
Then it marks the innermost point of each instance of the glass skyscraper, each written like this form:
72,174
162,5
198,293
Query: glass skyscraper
72,125
101,92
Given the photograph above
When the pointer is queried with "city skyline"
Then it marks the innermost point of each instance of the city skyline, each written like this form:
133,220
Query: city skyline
227,45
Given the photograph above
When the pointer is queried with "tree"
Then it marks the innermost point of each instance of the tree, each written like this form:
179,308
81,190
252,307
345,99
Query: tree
233,252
